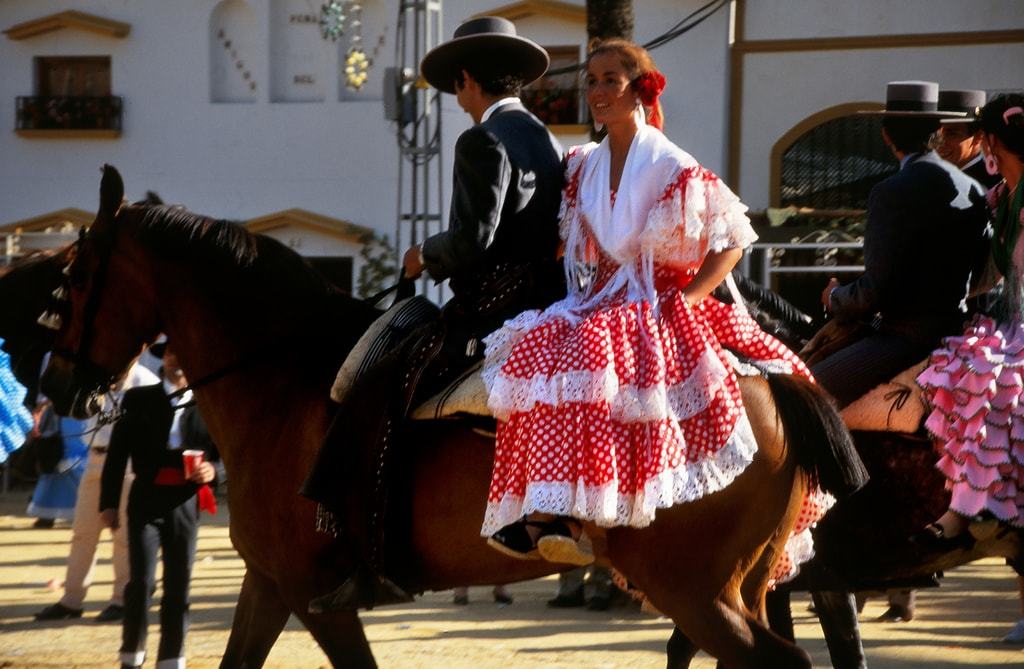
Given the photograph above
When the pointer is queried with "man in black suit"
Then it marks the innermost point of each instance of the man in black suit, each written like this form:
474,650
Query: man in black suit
507,179
925,234
163,509
499,252
961,137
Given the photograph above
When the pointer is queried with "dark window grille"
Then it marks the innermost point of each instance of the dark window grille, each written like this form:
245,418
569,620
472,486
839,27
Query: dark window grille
40,112
558,99
557,106
835,164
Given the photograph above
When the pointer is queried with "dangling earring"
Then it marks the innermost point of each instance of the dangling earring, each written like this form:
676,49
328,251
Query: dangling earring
991,163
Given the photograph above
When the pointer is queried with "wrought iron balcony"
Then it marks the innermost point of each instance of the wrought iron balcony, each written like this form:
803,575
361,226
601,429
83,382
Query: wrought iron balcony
557,106
69,113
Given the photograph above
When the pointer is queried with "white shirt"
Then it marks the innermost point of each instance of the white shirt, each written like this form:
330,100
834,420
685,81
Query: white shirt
174,438
500,103
137,376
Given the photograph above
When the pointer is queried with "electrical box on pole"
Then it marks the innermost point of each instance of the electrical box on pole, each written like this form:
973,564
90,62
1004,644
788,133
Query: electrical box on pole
415,108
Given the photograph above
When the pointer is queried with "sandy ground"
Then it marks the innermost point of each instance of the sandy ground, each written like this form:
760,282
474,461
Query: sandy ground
957,625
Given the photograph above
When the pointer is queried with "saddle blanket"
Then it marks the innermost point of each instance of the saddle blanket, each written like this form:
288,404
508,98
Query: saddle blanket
896,406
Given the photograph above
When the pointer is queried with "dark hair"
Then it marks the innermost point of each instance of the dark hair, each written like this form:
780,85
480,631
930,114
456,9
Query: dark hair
498,85
911,134
1010,131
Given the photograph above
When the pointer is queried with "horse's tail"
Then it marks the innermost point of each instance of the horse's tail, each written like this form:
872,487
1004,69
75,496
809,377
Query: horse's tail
822,444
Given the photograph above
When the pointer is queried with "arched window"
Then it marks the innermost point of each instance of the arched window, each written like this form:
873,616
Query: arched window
831,159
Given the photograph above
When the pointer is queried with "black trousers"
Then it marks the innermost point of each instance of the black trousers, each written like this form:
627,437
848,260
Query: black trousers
852,371
174,534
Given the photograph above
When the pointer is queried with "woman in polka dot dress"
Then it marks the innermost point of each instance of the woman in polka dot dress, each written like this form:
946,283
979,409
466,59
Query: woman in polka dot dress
620,399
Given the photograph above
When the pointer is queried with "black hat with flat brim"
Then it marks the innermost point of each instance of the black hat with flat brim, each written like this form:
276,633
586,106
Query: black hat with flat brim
969,101
913,99
491,46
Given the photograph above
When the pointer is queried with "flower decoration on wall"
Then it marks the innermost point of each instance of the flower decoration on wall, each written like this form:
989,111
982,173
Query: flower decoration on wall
332,20
357,66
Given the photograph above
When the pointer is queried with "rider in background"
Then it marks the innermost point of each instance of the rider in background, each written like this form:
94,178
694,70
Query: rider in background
924,236
973,382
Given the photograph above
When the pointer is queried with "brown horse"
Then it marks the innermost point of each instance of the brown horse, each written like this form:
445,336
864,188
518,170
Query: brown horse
260,336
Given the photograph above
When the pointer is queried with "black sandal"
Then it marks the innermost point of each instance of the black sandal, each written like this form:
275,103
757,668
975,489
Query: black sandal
515,541
932,539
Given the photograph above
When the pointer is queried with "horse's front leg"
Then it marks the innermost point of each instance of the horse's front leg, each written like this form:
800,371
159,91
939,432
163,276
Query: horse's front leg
260,616
340,635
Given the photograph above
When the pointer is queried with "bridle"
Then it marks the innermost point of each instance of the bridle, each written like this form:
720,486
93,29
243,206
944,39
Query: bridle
88,374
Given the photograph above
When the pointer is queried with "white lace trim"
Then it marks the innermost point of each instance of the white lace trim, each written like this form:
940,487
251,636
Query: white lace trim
800,545
710,217
627,403
606,507
758,367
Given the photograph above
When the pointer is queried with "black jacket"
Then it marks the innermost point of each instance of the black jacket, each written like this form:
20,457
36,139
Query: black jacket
925,233
141,434
505,198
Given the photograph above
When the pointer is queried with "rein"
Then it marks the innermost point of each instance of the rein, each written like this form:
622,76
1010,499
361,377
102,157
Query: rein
405,287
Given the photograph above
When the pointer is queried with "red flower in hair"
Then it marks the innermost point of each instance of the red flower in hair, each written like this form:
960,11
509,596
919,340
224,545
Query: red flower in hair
649,86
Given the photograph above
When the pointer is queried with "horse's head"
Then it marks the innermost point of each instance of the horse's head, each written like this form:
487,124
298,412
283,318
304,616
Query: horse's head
29,287
109,313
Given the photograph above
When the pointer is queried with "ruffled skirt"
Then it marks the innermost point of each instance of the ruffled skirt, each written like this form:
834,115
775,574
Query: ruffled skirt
611,415
974,386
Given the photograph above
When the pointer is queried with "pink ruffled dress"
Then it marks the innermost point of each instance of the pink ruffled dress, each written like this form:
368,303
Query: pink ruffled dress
621,399
975,387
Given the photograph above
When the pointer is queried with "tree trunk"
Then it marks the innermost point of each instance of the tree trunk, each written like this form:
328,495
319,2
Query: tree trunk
609,18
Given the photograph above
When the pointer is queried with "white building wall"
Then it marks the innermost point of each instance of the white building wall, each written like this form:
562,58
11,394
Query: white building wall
338,156
795,19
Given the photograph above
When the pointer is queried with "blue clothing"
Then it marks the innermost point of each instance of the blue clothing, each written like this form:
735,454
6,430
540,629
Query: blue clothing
55,493
15,419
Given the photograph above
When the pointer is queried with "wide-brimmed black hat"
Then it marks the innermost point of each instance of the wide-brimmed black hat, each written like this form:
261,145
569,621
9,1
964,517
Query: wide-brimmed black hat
491,45
967,100
913,99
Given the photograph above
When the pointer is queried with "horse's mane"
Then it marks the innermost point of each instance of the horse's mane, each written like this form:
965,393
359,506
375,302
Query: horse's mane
172,229
213,246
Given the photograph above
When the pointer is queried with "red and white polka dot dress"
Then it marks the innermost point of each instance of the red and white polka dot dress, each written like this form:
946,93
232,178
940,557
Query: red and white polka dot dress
612,405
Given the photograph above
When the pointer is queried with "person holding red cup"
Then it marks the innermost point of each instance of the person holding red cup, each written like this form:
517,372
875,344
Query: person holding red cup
161,431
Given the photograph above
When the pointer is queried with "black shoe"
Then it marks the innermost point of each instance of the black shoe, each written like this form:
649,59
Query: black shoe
933,539
58,612
43,523
362,590
503,598
896,614
599,603
460,600
111,614
567,601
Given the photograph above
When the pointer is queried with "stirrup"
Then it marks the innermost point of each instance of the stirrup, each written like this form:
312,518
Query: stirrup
362,590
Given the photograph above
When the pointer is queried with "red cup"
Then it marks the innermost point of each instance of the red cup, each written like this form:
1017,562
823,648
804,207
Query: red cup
191,461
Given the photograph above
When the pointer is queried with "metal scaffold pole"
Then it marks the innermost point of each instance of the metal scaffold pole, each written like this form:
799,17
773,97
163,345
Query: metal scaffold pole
416,108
